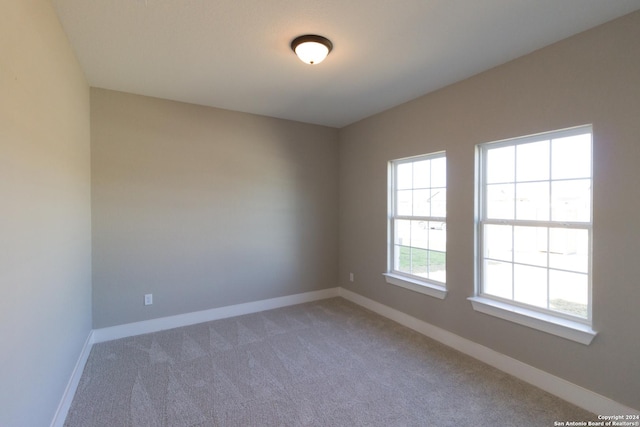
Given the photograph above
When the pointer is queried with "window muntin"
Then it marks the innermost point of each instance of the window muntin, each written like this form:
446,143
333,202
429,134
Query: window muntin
418,210
534,223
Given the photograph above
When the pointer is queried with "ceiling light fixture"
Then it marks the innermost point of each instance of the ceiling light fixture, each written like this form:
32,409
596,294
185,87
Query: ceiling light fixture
311,49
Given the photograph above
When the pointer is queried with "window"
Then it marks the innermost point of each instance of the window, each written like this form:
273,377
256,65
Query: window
418,224
534,228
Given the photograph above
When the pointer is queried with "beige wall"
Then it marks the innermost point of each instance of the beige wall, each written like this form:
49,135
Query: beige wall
205,207
45,229
593,77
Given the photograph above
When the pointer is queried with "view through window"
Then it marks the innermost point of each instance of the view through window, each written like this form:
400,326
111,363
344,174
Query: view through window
418,217
534,223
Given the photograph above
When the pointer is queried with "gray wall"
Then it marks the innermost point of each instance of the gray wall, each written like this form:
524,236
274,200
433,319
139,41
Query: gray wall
45,229
206,207
593,77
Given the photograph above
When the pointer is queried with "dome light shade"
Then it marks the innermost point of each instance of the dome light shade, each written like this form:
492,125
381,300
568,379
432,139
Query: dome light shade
311,49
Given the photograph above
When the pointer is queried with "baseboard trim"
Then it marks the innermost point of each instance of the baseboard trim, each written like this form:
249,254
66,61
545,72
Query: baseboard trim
557,386
170,322
67,397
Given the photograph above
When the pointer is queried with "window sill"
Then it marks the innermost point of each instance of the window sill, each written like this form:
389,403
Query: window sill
574,331
419,286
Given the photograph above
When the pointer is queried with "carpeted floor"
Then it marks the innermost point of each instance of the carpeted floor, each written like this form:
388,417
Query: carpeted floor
326,363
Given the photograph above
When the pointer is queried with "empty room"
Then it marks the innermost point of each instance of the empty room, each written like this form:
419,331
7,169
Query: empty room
319,213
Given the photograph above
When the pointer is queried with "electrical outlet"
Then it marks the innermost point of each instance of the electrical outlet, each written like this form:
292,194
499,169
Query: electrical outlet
351,277
148,299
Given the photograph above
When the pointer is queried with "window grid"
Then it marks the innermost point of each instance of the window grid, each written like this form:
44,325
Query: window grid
551,223
424,261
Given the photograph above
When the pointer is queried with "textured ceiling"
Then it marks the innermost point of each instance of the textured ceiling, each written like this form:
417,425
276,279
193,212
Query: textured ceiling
235,54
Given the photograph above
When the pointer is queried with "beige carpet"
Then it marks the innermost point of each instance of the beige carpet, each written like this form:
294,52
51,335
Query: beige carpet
327,363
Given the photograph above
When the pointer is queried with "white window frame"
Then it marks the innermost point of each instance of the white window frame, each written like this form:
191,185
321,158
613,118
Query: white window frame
564,325
414,283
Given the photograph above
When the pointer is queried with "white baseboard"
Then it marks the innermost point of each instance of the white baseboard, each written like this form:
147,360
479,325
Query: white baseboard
170,322
70,391
557,386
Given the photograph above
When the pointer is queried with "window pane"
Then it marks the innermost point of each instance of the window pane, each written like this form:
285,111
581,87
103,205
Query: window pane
404,173
421,173
500,165
402,259
439,202
421,202
420,234
419,262
536,196
500,201
571,157
569,249
532,201
437,266
532,161
439,172
530,245
497,242
404,202
498,279
419,192
571,200
569,293
438,236
402,232
530,285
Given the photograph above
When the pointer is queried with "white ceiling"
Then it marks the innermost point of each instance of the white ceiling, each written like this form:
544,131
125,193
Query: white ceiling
235,54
